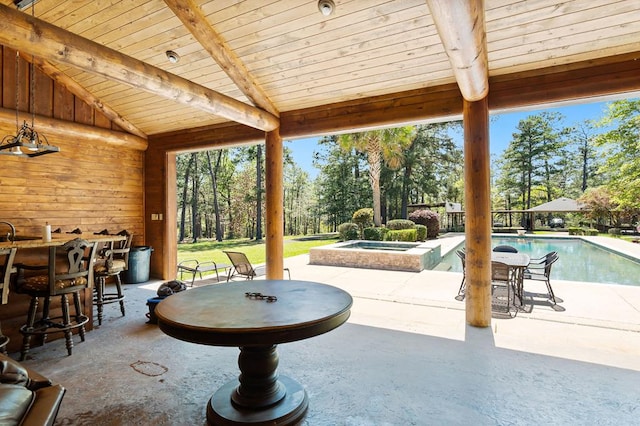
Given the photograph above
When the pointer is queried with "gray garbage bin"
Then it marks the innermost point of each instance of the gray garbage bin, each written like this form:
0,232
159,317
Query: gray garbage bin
139,260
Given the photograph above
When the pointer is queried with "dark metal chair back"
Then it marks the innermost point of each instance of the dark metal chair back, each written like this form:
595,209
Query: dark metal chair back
505,249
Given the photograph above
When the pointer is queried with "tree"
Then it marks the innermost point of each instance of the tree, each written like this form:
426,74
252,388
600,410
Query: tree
600,206
183,167
432,167
196,229
379,145
259,192
299,200
584,142
341,188
534,158
623,162
213,172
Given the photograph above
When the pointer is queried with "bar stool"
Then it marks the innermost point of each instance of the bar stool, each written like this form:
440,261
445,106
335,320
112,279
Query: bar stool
112,260
69,271
7,255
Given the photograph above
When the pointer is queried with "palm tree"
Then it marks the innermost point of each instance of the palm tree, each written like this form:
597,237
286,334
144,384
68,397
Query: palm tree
386,145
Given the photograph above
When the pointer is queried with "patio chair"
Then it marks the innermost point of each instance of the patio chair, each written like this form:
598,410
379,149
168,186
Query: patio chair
461,255
540,270
502,278
7,255
505,249
68,272
110,262
241,266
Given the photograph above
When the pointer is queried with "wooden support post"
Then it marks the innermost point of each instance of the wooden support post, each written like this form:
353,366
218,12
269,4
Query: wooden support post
477,212
274,202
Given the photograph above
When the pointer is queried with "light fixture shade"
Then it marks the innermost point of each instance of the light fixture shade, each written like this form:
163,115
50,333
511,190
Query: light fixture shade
172,56
326,7
23,4
27,138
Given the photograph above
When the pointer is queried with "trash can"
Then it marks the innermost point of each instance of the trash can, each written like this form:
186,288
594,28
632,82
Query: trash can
139,260
151,315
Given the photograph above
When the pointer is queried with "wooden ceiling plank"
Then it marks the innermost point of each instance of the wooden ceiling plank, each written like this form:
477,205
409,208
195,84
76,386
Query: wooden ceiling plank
461,27
383,59
39,38
573,53
323,35
364,77
555,29
79,91
195,21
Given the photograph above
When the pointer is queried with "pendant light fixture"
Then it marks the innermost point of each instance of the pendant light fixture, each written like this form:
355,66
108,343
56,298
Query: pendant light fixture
26,137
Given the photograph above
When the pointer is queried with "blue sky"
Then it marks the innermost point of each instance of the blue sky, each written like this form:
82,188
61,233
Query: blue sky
501,130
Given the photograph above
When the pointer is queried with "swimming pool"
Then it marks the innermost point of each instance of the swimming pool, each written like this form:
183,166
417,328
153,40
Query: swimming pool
579,260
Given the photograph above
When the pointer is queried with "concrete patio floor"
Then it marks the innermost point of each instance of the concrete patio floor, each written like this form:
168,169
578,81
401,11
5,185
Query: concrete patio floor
405,357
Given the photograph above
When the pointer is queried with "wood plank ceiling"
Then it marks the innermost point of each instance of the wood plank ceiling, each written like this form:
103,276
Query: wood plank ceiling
287,56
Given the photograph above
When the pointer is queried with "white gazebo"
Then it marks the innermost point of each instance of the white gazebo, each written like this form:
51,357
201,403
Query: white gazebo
559,205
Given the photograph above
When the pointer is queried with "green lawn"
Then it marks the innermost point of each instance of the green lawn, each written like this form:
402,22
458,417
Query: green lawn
255,251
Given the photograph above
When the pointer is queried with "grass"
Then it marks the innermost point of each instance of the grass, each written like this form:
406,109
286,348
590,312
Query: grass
256,253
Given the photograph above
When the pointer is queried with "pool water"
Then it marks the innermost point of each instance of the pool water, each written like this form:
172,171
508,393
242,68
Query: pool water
579,260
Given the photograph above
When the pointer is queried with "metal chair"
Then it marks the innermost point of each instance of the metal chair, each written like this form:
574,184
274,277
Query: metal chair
461,290
502,278
505,249
113,260
242,267
540,270
69,271
7,255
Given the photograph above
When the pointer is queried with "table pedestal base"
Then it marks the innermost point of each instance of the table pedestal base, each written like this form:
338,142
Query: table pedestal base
259,396
290,410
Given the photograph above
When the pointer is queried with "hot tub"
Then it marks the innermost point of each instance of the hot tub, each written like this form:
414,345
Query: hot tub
388,255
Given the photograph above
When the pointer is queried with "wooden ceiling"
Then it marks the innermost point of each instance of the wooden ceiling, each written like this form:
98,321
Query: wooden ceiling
285,55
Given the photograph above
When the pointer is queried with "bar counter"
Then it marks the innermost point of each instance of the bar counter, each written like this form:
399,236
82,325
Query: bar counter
34,251
57,239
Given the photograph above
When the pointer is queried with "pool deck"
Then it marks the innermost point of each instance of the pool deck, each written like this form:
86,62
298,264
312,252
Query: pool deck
600,323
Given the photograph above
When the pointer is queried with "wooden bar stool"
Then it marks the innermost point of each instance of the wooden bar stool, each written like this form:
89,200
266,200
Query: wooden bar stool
69,271
112,260
7,255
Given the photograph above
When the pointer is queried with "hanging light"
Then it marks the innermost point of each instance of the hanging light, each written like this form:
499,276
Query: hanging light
26,136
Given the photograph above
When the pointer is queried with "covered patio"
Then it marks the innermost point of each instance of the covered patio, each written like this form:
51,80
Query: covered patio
122,87
404,357
125,86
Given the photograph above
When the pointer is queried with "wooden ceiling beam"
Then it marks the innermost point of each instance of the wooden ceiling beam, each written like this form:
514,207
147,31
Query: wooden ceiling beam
461,27
39,38
70,130
196,22
79,91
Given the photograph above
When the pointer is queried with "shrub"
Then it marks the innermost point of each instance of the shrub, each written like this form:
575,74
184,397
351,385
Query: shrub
375,233
591,232
363,217
397,224
348,231
573,230
421,232
428,218
614,231
407,235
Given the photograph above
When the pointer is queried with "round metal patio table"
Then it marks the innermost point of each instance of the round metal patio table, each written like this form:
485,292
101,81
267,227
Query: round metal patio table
255,316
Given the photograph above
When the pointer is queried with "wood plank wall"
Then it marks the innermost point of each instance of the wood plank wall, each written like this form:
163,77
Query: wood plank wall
86,185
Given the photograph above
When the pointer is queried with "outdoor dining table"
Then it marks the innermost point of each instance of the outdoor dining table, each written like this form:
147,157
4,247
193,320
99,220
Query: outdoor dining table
255,316
517,263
